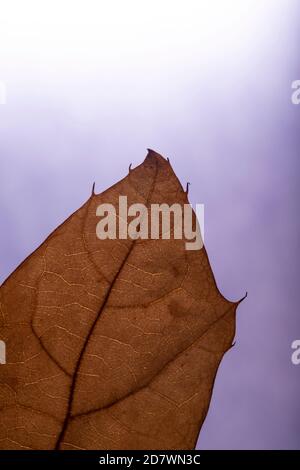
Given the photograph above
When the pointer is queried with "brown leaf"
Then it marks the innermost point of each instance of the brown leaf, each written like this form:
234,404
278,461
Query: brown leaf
111,344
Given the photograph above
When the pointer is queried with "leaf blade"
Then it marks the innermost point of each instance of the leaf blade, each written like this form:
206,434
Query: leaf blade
114,341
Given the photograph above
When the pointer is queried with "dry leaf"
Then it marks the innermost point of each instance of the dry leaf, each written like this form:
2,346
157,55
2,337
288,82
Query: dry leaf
111,344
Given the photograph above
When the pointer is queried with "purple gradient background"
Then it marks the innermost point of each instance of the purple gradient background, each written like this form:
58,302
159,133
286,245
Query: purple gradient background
227,124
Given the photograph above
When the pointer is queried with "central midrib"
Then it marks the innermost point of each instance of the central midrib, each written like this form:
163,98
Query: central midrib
105,300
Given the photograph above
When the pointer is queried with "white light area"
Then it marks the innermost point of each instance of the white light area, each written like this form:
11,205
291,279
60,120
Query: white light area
120,54
118,33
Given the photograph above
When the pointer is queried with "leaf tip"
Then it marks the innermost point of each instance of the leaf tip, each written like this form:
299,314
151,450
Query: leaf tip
154,156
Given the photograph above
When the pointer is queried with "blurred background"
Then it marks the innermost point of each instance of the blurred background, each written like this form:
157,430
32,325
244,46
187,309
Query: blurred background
90,85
